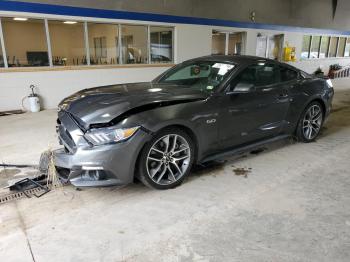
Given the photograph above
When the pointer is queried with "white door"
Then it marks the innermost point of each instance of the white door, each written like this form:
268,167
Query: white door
261,46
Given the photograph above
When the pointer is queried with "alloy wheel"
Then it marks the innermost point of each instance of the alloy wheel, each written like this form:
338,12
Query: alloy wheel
168,159
312,122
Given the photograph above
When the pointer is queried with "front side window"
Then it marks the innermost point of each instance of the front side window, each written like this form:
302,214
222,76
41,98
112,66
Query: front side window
67,43
161,44
287,74
201,75
25,42
257,75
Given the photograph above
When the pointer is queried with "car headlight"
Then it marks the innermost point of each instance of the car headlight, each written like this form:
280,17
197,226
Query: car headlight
110,135
62,106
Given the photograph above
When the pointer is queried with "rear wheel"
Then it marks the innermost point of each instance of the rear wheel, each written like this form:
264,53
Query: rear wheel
310,123
167,159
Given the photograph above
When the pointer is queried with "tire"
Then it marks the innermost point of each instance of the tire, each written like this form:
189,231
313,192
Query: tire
164,164
310,123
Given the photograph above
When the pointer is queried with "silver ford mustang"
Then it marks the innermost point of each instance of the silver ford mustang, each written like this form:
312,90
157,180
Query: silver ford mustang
199,110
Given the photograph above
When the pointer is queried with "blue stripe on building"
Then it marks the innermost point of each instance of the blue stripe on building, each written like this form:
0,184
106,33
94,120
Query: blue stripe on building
18,6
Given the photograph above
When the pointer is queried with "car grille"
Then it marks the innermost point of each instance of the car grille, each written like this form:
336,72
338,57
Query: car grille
63,128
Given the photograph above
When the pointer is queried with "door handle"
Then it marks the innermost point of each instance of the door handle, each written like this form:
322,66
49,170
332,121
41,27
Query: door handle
283,95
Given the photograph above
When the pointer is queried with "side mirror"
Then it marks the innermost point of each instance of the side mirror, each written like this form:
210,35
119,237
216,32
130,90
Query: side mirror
242,88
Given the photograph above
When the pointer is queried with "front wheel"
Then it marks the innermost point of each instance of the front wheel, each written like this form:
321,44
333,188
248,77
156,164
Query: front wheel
167,159
310,123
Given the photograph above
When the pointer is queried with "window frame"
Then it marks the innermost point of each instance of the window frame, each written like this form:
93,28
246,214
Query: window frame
172,44
342,51
329,45
336,48
5,51
308,49
147,42
327,49
85,23
347,43
318,48
257,88
87,36
227,40
85,41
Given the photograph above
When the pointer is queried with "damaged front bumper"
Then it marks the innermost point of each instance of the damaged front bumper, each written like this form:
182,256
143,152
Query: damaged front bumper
84,165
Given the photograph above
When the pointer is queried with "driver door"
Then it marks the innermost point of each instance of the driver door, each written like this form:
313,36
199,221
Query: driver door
254,107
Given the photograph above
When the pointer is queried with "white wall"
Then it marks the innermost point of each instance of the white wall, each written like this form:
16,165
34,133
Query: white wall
190,41
294,39
53,86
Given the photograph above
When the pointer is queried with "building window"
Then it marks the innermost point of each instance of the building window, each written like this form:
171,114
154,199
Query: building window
315,47
134,44
100,47
25,42
67,43
305,51
341,47
103,44
333,47
2,63
218,43
225,43
347,48
30,42
161,44
324,47
275,47
235,44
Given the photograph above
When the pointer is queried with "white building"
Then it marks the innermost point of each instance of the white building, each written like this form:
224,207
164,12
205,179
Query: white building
62,49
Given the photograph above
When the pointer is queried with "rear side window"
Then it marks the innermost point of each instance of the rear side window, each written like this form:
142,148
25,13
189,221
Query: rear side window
287,74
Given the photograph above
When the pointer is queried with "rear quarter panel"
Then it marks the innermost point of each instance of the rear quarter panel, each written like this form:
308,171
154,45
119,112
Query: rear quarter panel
303,94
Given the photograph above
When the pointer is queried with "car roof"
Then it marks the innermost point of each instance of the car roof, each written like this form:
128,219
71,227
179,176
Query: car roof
233,58
239,59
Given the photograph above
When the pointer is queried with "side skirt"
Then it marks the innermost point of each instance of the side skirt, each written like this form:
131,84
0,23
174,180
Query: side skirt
243,149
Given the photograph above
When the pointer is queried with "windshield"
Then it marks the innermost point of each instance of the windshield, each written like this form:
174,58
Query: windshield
201,75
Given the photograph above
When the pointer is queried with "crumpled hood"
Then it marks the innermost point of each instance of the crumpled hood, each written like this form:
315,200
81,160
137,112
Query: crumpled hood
102,104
